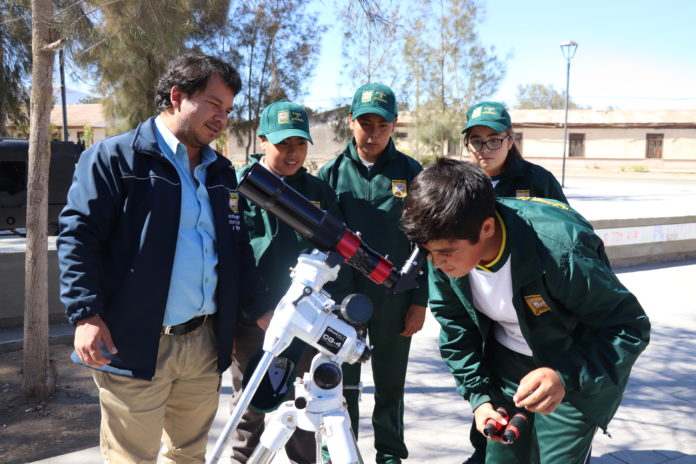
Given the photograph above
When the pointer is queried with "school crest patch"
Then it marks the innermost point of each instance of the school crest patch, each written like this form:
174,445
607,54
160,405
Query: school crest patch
283,117
399,188
521,193
234,202
537,304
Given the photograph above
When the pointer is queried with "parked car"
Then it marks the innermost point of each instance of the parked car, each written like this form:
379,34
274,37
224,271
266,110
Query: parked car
14,168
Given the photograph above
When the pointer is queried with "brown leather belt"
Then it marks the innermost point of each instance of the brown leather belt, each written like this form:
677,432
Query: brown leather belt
185,327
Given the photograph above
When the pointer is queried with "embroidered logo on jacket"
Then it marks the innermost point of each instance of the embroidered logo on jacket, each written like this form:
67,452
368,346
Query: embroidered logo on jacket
316,203
521,193
234,202
555,203
537,304
399,188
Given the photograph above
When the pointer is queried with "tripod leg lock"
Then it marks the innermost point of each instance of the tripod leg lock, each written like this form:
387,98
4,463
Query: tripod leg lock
276,435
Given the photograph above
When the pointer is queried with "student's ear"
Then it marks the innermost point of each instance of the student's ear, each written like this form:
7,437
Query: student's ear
351,121
263,140
487,228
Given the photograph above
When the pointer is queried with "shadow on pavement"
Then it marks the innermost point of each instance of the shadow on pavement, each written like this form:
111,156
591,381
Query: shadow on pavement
645,456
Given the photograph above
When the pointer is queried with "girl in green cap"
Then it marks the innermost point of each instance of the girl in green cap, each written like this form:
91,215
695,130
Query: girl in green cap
490,140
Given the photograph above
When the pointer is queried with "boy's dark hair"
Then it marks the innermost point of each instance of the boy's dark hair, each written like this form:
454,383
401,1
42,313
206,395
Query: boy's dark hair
190,73
450,199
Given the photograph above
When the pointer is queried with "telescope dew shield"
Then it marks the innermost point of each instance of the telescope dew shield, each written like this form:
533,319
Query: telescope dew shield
270,192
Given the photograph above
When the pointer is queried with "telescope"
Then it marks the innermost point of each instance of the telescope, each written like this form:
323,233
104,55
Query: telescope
326,232
306,313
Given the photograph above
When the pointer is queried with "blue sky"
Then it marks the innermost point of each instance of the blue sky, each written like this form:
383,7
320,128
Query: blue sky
632,54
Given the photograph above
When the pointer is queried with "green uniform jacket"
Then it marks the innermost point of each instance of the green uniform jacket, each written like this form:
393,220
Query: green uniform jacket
276,245
371,202
573,312
525,179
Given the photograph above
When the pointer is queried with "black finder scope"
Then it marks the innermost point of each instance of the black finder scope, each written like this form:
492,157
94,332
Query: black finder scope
325,231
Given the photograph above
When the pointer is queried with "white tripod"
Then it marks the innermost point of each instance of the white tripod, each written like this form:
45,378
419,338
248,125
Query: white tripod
307,312
319,407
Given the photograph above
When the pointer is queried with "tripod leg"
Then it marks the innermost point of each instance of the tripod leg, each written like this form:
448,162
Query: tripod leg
242,404
318,448
275,436
340,439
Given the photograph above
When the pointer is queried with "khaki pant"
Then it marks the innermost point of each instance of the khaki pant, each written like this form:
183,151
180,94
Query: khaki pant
176,407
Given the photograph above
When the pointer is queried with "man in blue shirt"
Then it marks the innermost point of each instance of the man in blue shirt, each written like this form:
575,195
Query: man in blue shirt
156,268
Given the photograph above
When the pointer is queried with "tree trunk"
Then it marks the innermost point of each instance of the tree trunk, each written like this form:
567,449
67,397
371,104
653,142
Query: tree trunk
38,380
3,114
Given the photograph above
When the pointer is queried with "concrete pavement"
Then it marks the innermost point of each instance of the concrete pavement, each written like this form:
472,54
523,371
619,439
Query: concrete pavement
655,423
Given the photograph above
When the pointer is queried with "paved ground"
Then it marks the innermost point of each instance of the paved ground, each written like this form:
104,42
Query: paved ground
655,423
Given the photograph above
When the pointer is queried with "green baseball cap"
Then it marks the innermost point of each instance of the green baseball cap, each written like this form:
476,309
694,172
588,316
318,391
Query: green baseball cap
374,98
283,119
489,114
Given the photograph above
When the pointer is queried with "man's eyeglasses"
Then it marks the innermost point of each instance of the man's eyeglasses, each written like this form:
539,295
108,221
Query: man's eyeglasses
491,144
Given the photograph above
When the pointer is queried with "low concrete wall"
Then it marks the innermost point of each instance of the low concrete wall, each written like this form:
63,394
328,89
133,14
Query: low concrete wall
628,242
631,242
12,283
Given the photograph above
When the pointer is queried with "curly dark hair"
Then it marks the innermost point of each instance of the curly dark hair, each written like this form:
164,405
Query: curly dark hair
190,73
448,200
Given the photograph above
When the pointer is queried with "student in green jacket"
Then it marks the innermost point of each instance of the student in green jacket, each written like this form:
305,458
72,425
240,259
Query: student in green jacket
490,140
285,139
372,179
489,137
533,318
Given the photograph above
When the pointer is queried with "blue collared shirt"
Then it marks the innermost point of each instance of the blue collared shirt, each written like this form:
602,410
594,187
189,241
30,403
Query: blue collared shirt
194,275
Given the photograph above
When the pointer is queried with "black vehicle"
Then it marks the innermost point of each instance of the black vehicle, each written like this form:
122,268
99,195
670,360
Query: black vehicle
14,168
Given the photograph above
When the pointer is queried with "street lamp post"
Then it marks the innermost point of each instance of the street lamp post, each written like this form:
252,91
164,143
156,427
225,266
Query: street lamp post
568,49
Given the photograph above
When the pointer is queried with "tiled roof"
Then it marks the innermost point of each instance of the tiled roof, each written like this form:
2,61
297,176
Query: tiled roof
79,115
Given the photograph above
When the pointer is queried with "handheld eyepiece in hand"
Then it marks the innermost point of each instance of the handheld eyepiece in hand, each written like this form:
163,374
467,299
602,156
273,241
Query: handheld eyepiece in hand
325,231
518,426
494,427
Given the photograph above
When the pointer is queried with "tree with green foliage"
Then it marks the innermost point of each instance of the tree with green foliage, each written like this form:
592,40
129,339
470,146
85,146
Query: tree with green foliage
542,97
89,100
453,68
428,51
87,135
280,44
15,63
132,43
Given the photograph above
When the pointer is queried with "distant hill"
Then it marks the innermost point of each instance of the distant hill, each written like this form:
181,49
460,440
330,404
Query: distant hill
72,96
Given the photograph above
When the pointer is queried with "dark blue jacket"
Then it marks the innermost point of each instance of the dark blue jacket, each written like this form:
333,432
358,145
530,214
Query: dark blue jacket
117,243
